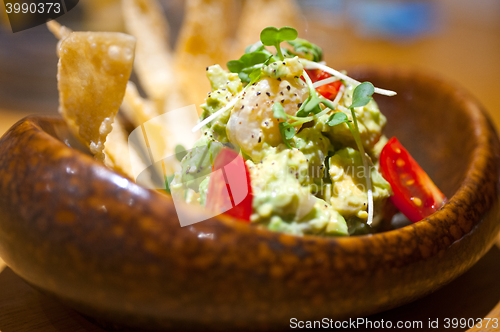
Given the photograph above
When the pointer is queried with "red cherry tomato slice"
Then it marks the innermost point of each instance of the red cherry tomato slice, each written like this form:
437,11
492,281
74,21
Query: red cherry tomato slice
229,188
329,91
415,195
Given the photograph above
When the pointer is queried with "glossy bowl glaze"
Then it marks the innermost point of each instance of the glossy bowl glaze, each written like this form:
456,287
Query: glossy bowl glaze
116,252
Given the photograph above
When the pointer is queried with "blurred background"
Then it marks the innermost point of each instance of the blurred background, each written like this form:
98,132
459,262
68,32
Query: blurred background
458,40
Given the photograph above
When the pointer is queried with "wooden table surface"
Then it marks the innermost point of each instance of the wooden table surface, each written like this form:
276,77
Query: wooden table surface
476,294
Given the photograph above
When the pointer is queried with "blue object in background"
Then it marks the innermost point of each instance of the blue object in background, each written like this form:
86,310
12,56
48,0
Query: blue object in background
393,19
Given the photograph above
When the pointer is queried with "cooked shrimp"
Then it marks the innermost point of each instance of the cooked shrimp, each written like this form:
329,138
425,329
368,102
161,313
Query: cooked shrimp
252,123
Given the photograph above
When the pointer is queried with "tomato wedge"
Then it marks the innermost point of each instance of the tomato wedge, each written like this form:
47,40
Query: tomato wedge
229,188
329,91
415,195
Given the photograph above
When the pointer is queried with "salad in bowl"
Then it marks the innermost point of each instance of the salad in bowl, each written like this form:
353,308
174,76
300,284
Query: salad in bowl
310,140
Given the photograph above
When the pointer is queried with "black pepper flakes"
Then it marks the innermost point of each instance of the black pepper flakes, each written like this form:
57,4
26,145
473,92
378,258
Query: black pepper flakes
268,94
299,104
288,87
282,101
207,68
260,139
281,93
279,79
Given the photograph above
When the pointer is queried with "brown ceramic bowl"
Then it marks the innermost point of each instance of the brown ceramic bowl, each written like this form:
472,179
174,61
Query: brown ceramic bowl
116,252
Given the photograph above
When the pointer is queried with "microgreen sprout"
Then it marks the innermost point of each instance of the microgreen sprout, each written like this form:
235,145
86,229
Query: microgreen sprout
248,63
337,118
272,36
361,96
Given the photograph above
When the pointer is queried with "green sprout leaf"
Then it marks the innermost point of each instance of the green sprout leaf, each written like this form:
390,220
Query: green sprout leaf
279,112
180,152
311,51
248,63
312,106
301,112
362,94
247,60
337,118
287,132
272,36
